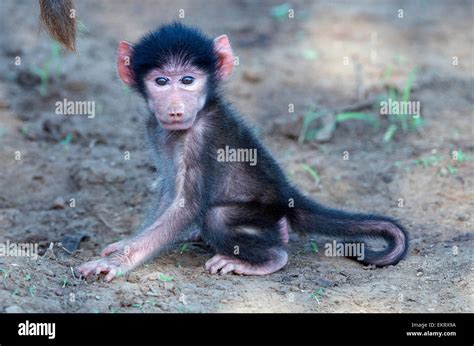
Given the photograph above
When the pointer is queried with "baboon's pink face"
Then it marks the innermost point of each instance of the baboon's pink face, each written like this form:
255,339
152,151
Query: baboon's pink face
175,95
176,92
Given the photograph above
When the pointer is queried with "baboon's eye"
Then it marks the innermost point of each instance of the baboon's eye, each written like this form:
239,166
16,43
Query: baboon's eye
187,80
161,81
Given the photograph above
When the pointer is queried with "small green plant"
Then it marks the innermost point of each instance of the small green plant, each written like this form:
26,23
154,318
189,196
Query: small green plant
6,273
452,170
314,247
67,140
397,122
312,172
183,310
461,156
406,122
306,133
184,248
165,278
152,303
32,291
138,306
51,65
280,12
447,164
388,135
429,160
24,130
310,54
318,295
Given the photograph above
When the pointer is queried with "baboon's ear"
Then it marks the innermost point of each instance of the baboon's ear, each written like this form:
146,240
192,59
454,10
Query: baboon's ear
224,55
124,63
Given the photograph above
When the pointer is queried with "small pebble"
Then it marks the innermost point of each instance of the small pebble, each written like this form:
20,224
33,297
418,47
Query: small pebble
133,277
48,272
59,203
14,309
251,76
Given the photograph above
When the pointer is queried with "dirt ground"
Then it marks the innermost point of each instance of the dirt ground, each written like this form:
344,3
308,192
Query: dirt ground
282,61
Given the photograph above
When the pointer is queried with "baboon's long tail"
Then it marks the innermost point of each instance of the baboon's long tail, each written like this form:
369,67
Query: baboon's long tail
58,18
309,217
